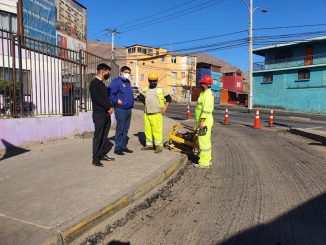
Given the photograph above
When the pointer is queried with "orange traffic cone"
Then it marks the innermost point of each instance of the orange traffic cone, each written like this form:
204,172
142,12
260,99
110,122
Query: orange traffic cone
226,117
257,120
188,113
271,119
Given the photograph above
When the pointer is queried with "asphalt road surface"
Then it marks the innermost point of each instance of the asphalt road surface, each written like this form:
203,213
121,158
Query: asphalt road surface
266,186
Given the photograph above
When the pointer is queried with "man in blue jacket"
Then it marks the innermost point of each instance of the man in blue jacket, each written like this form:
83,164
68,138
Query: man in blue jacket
121,96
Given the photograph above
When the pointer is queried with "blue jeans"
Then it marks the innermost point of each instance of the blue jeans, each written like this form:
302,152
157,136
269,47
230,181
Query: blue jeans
123,117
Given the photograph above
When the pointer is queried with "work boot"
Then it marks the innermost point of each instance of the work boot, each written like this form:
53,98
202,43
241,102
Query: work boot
158,149
146,148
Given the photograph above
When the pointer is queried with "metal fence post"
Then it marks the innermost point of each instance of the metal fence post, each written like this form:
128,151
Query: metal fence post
20,76
80,80
13,91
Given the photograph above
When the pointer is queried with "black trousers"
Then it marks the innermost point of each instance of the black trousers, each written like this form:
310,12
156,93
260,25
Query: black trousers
102,127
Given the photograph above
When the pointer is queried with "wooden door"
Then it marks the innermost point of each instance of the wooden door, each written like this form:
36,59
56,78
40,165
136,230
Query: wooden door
308,56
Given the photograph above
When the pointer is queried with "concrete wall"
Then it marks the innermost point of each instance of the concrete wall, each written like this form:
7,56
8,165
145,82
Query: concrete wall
287,92
22,131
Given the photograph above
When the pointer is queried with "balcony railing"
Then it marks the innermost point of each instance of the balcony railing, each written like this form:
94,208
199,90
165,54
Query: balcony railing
319,59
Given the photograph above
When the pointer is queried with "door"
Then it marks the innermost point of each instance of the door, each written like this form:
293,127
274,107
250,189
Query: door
308,56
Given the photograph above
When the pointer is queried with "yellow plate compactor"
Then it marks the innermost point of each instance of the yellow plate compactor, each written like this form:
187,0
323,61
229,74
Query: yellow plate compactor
182,138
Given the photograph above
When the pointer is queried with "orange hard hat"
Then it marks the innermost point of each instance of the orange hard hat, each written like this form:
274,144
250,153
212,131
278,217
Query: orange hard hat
207,79
152,76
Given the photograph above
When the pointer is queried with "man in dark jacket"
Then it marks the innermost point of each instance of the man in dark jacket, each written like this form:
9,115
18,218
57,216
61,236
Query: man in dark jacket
122,97
102,109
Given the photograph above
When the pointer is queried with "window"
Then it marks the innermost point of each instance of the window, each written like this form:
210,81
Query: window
150,52
183,74
174,74
131,50
152,61
162,58
238,84
8,21
141,77
268,77
304,74
190,76
173,59
229,74
141,50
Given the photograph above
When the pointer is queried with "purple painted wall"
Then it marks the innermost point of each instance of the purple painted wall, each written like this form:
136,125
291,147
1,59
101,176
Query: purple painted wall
22,131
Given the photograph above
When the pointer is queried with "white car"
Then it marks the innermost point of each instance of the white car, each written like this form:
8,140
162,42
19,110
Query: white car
136,92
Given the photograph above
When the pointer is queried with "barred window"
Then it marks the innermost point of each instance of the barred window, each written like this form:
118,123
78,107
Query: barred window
304,74
268,77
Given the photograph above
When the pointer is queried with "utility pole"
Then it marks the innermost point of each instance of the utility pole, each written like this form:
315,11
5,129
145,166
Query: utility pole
251,12
250,57
113,32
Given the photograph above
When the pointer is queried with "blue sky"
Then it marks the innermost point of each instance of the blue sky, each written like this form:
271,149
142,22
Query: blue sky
204,19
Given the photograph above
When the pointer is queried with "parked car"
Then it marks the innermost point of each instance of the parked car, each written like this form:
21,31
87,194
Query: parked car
136,92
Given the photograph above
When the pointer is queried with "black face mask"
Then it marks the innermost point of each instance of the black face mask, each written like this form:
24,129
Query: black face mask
106,76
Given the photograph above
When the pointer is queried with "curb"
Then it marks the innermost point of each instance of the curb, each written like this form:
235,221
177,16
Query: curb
309,135
148,184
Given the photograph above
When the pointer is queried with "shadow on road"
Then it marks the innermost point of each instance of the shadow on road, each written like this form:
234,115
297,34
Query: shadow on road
177,118
303,225
118,243
318,144
11,150
141,137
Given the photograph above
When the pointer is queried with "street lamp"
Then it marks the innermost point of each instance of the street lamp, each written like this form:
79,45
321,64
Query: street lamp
251,11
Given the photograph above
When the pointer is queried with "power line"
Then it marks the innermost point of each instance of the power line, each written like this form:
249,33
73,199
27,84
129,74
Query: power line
258,40
204,38
286,27
174,15
145,17
238,32
157,13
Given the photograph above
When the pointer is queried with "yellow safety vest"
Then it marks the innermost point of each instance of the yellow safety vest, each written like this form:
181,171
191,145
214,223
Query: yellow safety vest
205,107
160,95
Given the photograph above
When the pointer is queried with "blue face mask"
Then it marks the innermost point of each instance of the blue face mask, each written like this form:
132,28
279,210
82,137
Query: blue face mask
152,85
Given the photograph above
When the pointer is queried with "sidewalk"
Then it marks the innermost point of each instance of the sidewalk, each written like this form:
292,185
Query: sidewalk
51,191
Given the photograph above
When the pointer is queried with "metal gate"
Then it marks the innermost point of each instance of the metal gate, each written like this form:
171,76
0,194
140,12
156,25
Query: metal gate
37,78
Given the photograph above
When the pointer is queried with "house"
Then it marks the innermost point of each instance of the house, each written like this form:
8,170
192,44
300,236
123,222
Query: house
232,91
208,65
292,77
176,72
203,69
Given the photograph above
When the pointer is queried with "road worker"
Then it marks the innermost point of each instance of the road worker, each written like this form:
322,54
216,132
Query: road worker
204,119
156,102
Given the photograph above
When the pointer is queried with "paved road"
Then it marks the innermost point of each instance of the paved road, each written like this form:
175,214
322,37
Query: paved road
240,116
266,187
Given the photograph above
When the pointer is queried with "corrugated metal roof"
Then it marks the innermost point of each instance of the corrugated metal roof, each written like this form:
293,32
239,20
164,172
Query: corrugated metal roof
257,50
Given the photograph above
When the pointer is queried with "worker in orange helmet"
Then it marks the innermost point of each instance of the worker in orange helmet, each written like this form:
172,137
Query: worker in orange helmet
204,118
